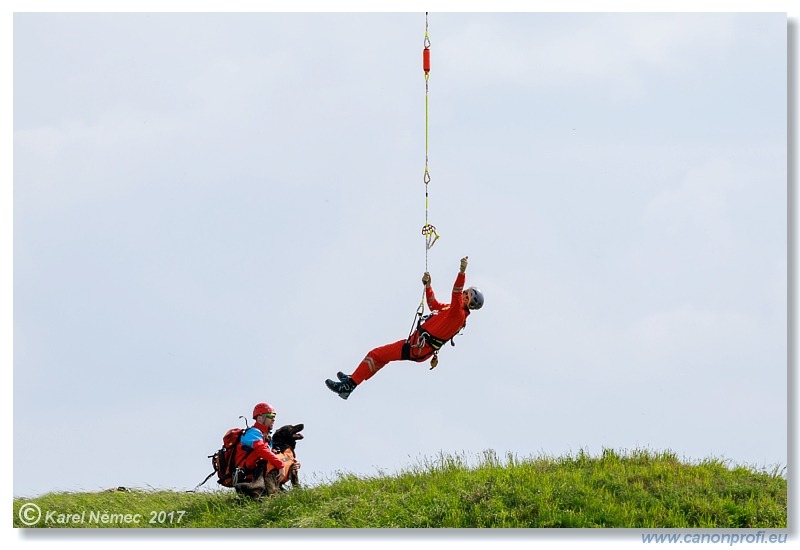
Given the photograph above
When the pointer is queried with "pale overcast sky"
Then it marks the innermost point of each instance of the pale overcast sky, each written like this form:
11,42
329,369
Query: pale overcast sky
212,210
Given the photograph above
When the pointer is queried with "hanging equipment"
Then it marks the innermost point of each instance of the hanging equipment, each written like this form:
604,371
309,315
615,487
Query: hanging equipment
428,230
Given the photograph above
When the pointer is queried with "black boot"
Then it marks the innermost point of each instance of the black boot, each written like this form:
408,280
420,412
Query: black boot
344,387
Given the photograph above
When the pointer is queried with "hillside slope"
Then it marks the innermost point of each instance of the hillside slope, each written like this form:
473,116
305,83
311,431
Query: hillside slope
640,489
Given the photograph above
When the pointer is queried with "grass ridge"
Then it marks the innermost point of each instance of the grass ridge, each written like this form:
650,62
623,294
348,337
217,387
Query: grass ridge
636,489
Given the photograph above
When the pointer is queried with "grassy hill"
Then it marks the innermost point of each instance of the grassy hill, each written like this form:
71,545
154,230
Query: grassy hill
639,489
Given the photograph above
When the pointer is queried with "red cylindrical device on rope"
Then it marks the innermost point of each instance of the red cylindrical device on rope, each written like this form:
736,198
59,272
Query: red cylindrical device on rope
426,60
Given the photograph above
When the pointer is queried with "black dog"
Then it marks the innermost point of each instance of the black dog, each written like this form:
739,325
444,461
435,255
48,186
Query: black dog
268,480
286,438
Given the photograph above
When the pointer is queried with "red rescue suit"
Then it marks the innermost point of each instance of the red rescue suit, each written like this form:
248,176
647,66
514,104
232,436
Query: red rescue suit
445,321
248,460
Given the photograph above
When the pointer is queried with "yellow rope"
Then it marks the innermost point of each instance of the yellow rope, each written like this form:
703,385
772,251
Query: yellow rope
428,230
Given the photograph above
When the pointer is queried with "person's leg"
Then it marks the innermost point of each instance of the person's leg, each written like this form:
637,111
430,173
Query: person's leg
376,359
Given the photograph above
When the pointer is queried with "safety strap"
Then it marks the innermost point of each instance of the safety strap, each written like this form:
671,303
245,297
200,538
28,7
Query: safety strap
434,342
204,481
231,469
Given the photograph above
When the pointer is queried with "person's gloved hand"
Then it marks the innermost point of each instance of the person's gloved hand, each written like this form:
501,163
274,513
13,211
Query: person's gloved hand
426,279
464,262
294,467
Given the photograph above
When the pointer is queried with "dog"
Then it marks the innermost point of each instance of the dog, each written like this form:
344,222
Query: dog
270,480
284,442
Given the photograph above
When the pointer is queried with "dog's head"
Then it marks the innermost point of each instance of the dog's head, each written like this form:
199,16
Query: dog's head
287,436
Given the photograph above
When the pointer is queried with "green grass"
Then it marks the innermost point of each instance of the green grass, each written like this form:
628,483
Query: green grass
639,489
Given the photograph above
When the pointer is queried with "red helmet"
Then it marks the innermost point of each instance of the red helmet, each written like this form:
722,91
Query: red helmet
263,408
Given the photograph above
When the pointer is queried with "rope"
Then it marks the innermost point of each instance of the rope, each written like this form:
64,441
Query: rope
428,230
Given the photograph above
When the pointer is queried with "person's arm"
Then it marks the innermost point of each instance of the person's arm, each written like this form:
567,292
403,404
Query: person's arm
430,297
262,450
458,286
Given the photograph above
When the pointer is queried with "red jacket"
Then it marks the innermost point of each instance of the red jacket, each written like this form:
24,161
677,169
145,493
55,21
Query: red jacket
446,319
260,450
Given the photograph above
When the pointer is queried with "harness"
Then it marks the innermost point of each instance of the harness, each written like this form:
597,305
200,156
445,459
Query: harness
425,338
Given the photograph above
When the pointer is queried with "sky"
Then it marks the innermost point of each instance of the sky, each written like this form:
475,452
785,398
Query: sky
216,209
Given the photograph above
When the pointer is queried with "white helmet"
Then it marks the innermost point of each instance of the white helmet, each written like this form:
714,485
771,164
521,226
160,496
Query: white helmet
475,298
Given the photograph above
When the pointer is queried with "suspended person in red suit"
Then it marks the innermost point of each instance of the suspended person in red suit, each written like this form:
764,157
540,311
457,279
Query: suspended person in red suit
444,322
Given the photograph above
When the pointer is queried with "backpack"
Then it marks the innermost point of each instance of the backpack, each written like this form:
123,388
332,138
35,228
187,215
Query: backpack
224,459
